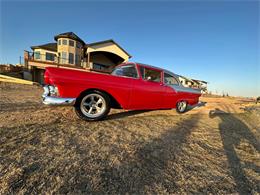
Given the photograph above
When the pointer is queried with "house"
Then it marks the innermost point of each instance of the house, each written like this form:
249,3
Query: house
71,51
201,85
7,68
185,81
193,83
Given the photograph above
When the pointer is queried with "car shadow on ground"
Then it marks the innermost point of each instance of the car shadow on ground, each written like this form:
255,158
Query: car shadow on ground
125,114
136,112
200,104
232,132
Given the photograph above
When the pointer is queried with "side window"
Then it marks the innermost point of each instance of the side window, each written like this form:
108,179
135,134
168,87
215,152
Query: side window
71,58
71,43
64,42
170,80
150,74
125,71
64,57
78,45
37,55
77,59
50,56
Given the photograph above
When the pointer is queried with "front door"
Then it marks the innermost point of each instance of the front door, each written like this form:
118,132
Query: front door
148,90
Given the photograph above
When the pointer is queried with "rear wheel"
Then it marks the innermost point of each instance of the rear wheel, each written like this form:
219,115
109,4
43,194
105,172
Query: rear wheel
181,106
93,106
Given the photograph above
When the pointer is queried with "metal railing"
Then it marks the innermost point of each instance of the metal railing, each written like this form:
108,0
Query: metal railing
53,58
59,61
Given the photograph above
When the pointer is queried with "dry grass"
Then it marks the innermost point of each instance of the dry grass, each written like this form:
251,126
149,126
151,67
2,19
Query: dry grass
49,150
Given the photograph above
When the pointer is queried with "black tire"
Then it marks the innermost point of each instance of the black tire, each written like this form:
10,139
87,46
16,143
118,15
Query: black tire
81,110
178,107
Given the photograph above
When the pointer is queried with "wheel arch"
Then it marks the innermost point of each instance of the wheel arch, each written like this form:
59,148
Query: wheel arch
182,99
113,101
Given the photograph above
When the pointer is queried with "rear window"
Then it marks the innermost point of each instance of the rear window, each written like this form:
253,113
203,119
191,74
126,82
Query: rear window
170,80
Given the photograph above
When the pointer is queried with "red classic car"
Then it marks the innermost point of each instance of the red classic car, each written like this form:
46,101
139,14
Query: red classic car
131,86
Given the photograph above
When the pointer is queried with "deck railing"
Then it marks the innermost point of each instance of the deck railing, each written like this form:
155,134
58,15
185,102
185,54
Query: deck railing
59,62
53,58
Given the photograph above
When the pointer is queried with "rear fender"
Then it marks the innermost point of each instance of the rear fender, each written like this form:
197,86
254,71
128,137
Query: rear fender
114,102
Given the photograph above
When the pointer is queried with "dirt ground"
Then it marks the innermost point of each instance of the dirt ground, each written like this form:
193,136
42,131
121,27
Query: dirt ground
213,148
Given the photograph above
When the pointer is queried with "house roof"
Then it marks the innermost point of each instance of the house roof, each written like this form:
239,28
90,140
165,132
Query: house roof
70,35
108,41
48,46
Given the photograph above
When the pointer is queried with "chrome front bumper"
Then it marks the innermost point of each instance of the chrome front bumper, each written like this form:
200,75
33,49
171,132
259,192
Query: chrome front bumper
55,101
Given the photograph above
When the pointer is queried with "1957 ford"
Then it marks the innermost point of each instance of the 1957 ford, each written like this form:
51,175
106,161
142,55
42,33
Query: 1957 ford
131,86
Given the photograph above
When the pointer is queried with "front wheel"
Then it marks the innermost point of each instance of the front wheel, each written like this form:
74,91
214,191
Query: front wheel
93,106
181,106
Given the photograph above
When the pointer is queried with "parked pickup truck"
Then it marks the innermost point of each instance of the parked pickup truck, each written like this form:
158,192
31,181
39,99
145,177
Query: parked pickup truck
131,86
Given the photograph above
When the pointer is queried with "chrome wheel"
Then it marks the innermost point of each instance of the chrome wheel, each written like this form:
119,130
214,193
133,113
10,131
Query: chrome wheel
181,106
93,105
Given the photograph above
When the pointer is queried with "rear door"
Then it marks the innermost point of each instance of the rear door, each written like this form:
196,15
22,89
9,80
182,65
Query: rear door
171,95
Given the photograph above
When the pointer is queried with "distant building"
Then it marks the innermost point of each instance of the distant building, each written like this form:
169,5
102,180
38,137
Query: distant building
185,81
70,51
7,68
202,85
193,83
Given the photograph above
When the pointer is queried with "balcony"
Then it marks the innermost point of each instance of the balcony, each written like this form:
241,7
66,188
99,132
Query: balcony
40,61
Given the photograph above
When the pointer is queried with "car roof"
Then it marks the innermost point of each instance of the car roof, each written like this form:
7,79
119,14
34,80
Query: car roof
153,67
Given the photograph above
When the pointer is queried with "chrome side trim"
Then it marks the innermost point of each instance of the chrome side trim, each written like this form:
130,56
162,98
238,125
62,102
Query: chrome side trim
56,101
180,88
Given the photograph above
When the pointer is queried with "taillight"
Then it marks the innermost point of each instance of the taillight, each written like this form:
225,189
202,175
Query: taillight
51,90
56,91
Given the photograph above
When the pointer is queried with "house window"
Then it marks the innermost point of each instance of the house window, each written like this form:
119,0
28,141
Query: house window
71,58
64,42
99,66
150,74
63,57
71,43
37,55
77,59
78,45
59,42
50,56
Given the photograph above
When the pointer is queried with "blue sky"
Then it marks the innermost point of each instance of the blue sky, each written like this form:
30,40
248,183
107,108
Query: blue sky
216,41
